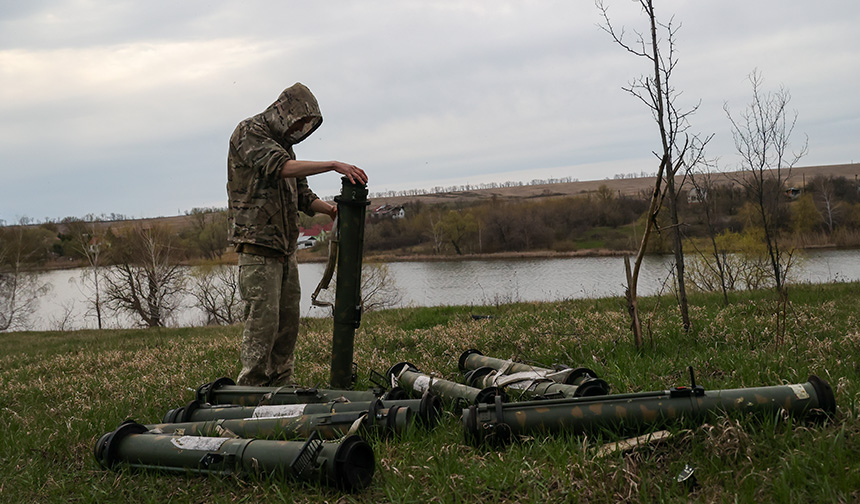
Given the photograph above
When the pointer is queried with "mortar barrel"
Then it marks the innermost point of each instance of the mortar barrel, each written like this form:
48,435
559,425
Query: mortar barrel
472,359
287,422
407,376
351,208
225,391
427,410
527,385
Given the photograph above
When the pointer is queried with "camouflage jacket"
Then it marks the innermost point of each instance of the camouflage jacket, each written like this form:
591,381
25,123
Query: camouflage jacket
263,206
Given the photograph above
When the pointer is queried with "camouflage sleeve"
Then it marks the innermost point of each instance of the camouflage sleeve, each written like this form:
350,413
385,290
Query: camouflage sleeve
262,152
306,196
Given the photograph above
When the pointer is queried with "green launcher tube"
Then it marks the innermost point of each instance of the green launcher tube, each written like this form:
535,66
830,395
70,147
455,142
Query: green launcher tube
351,208
291,423
406,376
225,391
348,465
472,360
427,410
497,423
535,385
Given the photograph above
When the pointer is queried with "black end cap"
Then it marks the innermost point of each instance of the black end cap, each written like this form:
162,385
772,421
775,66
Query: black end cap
430,410
354,464
465,355
576,376
826,399
396,394
106,449
206,392
396,369
592,387
489,395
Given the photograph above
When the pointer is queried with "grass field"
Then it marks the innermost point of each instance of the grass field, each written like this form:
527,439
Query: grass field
61,391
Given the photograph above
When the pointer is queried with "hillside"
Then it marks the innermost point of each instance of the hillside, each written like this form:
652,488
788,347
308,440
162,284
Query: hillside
625,186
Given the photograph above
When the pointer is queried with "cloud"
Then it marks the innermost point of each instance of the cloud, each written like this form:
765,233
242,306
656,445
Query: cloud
108,101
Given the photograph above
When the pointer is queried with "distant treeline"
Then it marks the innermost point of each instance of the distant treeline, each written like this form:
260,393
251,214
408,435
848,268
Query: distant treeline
824,212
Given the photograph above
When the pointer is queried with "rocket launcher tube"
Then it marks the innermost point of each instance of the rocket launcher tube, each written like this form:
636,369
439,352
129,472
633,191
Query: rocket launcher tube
375,421
532,384
225,391
427,410
499,423
347,465
408,377
472,359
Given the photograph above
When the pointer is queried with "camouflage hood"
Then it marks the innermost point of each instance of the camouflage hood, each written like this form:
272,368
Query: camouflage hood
264,206
294,115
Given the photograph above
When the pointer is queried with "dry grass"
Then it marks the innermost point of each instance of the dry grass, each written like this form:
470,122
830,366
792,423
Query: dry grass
61,391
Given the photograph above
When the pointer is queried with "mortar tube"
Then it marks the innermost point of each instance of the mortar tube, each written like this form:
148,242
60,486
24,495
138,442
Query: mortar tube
351,207
472,359
407,376
377,421
533,386
347,465
498,423
426,409
225,391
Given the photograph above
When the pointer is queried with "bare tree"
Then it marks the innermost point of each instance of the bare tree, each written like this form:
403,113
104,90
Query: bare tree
656,92
215,287
378,289
829,205
715,259
762,135
434,231
88,240
146,280
20,289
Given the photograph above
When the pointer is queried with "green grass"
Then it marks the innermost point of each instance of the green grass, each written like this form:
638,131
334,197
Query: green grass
61,391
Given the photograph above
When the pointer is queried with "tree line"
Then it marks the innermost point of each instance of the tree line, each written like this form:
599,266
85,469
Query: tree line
826,211
136,269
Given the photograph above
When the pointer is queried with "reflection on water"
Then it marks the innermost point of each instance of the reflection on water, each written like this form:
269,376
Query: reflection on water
460,283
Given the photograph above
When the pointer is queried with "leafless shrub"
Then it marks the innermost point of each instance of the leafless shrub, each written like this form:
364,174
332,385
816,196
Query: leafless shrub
215,289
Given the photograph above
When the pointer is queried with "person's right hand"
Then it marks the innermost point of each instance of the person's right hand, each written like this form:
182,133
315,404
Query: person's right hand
355,174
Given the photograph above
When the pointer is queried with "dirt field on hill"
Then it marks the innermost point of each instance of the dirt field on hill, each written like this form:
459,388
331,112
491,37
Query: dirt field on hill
625,186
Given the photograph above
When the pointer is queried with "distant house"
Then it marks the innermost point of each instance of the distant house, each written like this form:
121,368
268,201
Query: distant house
793,193
306,242
387,211
697,195
313,235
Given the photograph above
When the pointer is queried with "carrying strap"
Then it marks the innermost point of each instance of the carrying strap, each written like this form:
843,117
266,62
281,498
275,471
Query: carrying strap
329,267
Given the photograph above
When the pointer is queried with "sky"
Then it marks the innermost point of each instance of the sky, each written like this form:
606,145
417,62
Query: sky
126,107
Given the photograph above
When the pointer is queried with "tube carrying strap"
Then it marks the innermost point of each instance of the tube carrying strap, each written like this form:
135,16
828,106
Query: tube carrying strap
329,267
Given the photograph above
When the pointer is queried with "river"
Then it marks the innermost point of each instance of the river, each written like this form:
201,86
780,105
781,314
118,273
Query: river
473,282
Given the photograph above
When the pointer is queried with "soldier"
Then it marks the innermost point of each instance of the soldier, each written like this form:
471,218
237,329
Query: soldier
266,187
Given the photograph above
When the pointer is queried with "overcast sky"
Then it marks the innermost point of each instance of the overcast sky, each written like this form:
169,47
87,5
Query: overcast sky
127,106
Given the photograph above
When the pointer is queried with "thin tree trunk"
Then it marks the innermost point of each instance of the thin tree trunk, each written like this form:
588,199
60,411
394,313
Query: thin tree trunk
677,246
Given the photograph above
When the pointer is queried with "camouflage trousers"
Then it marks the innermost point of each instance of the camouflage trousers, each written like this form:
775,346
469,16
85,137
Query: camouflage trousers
271,291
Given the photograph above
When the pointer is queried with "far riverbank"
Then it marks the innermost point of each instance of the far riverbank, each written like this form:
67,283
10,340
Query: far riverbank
321,256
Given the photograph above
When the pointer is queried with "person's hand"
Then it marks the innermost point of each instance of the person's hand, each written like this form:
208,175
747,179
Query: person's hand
332,212
355,174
